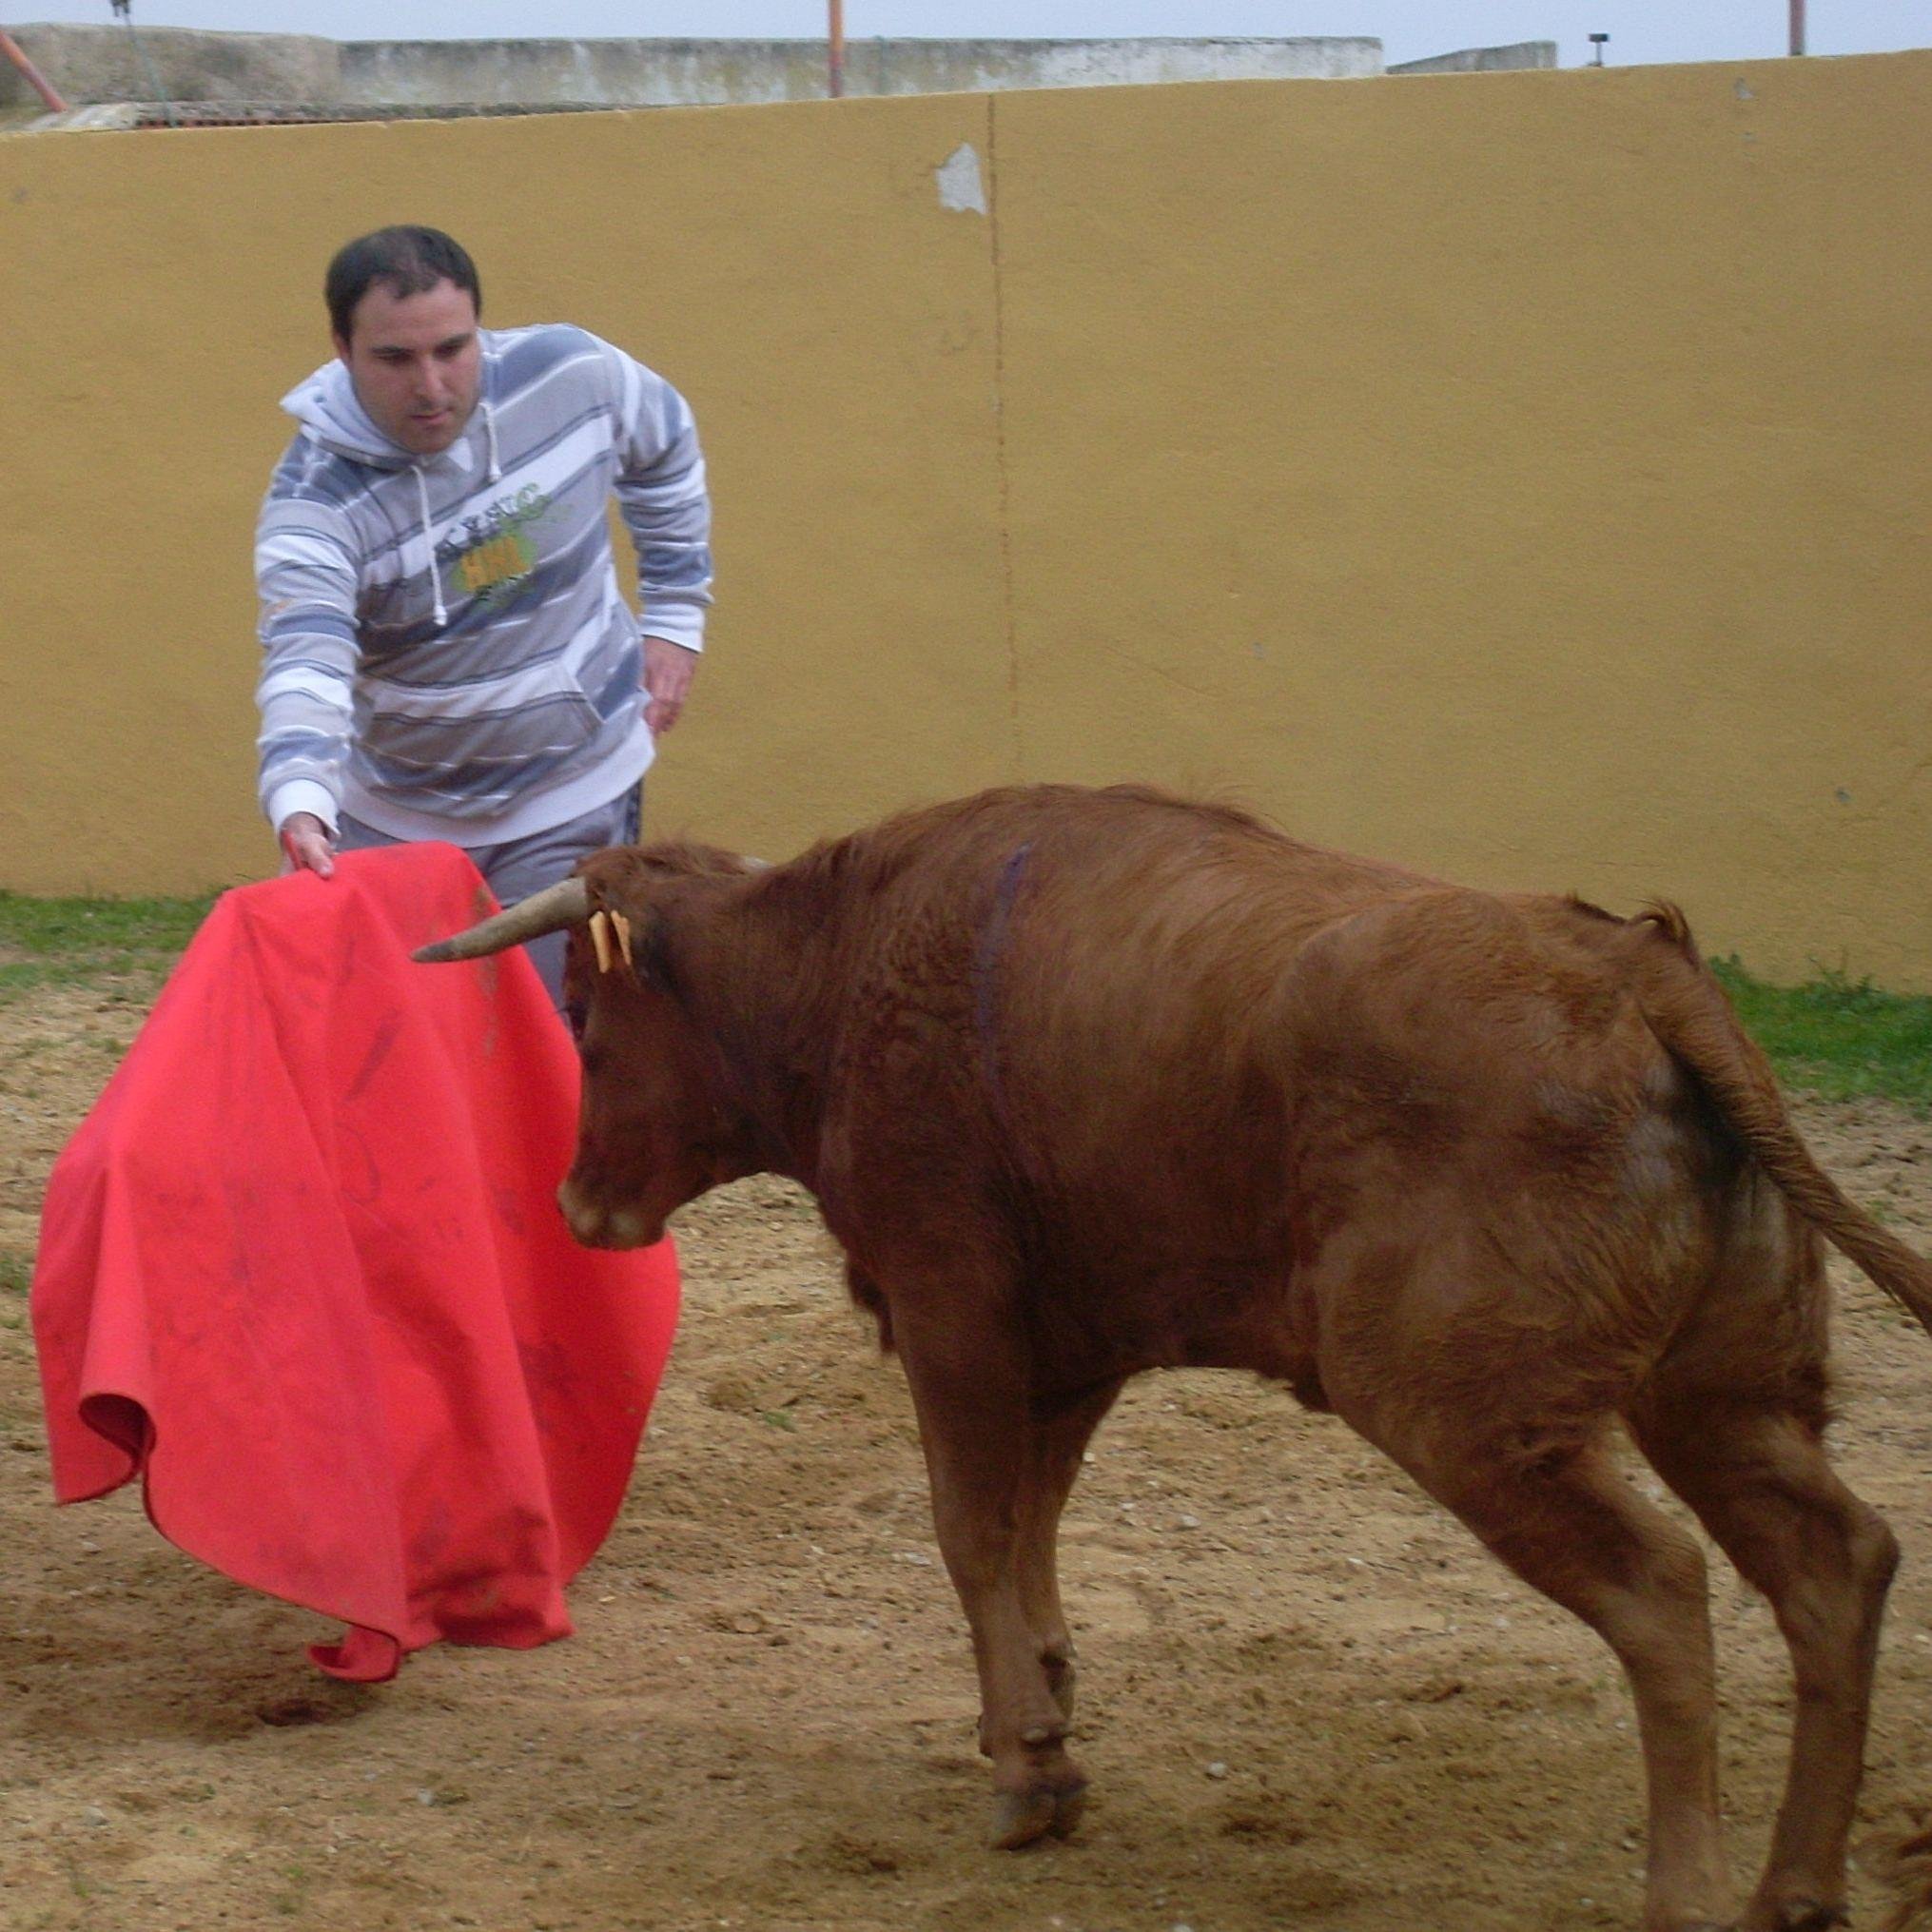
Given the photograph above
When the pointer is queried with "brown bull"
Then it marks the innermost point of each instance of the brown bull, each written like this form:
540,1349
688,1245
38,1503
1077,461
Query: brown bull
1091,1083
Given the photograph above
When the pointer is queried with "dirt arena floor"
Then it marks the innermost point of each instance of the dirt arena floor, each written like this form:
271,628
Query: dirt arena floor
1308,1701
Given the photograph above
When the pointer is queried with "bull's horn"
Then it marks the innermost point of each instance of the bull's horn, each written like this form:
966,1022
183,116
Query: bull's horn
567,902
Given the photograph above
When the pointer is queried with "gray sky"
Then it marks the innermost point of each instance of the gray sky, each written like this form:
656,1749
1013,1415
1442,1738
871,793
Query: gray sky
1640,30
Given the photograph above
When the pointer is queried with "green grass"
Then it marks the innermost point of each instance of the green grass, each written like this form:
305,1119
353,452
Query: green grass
92,942
1839,1038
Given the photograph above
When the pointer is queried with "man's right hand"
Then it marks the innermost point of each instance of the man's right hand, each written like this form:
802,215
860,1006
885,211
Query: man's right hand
306,845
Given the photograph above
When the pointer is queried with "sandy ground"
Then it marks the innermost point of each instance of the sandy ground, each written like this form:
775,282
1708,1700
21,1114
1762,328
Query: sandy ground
1308,1700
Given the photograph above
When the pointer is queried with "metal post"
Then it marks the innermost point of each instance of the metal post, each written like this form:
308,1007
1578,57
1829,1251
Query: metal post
835,48
1797,26
35,79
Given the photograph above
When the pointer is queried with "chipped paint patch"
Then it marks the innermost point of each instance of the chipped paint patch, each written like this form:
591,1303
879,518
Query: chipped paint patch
962,187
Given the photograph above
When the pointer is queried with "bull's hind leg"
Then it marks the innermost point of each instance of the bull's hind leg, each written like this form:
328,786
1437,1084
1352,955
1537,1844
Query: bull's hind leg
1053,1461
967,1368
1758,1480
1564,1520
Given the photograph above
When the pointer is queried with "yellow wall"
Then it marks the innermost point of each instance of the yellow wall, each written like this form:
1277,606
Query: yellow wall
1521,475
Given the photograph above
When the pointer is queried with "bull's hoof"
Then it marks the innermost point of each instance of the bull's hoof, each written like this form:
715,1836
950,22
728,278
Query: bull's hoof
1793,1915
1068,1808
1019,1817
1022,1817
1060,1679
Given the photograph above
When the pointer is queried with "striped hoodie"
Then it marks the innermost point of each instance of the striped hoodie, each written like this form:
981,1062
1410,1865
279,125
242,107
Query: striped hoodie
447,653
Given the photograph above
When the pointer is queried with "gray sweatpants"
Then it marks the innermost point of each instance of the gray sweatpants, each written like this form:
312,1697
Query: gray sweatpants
517,867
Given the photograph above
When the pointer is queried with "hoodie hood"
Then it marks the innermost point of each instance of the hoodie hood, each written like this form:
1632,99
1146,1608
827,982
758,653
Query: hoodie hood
328,408
326,405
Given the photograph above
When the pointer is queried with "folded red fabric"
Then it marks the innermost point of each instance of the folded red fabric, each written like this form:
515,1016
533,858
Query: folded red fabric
302,1269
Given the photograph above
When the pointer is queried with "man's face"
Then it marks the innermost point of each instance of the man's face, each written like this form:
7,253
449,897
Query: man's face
416,362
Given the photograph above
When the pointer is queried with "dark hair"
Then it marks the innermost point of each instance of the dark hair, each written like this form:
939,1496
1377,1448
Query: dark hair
411,261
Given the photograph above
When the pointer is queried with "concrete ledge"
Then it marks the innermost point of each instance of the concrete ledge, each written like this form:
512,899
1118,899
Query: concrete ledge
89,65
1484,60
99,65
666,73
93,65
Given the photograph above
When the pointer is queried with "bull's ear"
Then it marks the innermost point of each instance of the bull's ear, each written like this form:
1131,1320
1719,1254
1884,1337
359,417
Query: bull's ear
636,940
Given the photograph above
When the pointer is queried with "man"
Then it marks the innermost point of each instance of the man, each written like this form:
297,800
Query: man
447,652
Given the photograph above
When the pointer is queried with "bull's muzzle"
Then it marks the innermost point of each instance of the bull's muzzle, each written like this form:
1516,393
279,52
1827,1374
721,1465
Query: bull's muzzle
596,1226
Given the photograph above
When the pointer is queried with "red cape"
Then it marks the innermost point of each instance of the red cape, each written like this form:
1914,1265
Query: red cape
302,1270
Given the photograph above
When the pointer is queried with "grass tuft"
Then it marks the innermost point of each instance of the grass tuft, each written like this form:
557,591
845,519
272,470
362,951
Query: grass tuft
1840,1039
92,942
89,926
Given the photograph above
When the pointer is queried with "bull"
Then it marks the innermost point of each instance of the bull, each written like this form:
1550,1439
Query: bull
1091,1083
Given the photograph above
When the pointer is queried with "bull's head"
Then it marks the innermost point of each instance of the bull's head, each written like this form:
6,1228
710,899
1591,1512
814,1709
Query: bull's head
660,1122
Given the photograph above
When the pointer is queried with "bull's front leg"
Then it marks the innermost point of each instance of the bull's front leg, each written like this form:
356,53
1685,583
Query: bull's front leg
964,1362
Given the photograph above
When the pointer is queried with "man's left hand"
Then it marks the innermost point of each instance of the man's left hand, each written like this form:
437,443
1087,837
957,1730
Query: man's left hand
668,670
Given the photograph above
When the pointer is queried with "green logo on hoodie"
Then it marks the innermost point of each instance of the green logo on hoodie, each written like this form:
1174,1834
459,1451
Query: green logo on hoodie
496,554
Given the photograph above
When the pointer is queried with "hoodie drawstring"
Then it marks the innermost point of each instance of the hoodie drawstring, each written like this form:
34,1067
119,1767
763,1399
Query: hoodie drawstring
490,432
429,542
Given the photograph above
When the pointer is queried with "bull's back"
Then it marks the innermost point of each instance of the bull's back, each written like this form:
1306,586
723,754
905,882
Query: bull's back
1198,1032
1073,988
1127,975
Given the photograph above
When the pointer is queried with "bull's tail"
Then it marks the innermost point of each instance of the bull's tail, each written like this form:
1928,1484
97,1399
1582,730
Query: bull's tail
1689,1013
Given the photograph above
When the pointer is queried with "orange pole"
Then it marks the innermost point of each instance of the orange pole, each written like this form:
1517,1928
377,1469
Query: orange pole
835,48
35,80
